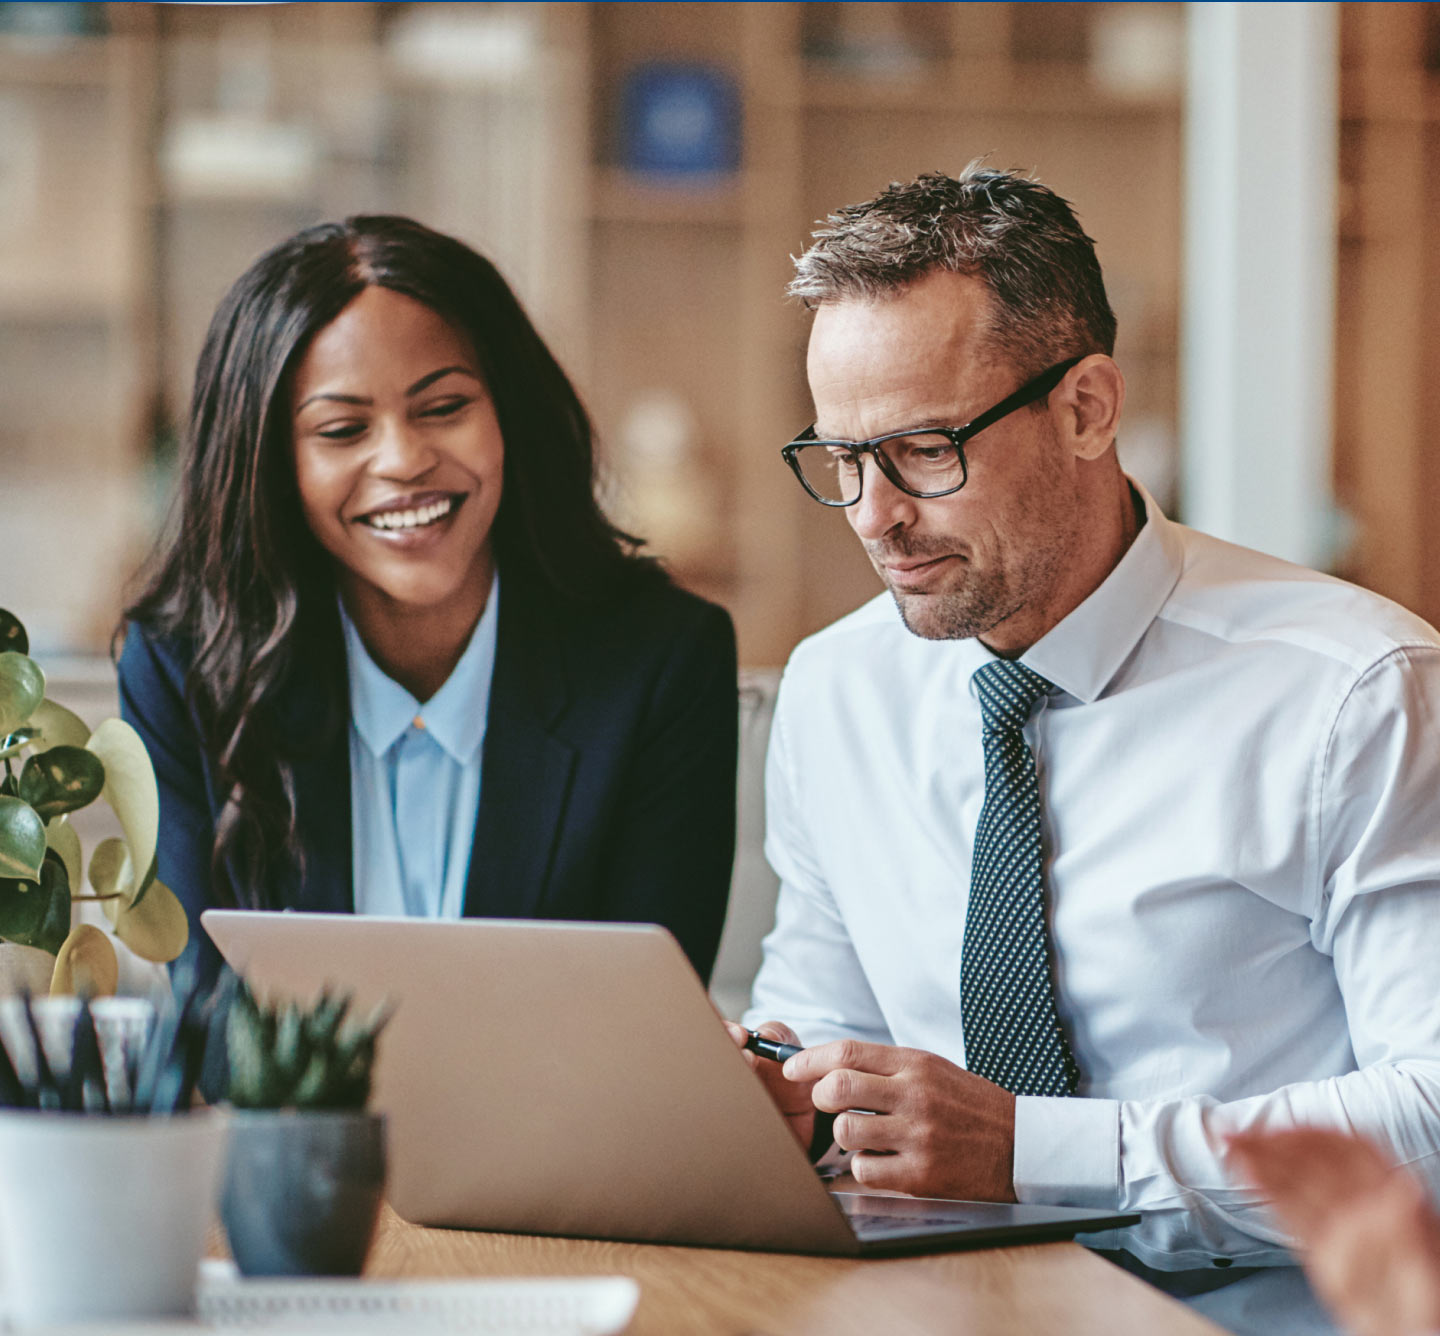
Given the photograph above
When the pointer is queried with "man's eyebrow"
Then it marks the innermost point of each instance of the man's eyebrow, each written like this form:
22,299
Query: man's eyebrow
927,423
922,424
423,383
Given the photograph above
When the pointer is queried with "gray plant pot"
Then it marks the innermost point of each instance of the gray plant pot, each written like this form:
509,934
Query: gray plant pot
303,1190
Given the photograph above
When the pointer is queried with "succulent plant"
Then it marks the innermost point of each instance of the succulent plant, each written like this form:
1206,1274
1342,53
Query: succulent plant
53,765
286,1057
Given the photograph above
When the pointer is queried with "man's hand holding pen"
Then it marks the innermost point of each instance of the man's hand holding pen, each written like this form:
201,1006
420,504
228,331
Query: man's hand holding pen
928,1127
792,1098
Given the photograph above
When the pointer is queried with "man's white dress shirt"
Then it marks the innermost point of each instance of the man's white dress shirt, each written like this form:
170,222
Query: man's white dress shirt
1240,780
415,777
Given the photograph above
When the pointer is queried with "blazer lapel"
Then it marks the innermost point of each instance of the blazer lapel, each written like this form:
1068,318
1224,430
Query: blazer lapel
526,769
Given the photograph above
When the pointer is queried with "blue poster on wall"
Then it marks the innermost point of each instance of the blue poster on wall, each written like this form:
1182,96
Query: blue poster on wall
680,120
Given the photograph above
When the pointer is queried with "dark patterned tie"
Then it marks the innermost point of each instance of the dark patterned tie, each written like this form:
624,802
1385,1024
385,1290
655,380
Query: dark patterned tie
1007,998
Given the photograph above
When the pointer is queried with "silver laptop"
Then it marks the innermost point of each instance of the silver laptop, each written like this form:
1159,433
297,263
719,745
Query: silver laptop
574,1079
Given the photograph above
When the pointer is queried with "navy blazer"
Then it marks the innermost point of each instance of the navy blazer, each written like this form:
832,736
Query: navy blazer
607,777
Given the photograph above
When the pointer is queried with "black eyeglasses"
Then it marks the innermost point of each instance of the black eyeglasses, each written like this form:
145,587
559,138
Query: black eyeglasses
923,462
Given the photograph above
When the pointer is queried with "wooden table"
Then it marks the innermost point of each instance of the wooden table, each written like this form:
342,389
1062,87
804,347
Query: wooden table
1034,1290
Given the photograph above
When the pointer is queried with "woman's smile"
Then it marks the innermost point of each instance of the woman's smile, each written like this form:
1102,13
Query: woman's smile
404,519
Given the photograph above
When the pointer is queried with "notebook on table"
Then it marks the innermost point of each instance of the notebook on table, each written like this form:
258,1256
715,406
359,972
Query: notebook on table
574,1079
297,1306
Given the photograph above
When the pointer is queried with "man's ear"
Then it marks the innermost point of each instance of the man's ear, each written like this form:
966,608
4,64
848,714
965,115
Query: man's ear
1090,402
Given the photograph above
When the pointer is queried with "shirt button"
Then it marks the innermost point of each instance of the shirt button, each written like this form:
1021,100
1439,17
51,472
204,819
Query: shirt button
419,723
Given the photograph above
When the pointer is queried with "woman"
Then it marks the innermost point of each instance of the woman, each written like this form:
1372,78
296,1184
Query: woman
394,659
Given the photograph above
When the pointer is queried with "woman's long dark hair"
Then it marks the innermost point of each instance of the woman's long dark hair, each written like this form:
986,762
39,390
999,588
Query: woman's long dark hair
243,581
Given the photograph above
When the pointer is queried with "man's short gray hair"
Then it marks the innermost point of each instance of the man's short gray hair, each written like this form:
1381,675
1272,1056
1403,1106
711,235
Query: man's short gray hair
1018,237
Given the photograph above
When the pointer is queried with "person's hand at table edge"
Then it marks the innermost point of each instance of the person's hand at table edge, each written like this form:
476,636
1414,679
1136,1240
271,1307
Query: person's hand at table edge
1367,1234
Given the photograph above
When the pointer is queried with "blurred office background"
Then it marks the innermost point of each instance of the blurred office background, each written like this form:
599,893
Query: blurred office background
1260,181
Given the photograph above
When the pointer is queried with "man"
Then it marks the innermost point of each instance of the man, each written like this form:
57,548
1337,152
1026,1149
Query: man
1098,838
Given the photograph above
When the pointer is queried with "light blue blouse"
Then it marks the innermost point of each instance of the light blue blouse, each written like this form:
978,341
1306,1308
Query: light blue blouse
415,777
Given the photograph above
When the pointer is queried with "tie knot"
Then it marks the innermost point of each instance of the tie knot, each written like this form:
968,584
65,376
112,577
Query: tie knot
1008,691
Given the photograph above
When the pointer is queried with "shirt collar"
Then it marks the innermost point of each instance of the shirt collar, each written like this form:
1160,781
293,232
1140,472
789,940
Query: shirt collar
381,709
1081,653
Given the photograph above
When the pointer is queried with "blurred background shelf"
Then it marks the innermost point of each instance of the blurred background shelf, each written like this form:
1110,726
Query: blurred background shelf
1405,95
619,196
144,166
1387,394
153,161
1036,88
67,62
836,101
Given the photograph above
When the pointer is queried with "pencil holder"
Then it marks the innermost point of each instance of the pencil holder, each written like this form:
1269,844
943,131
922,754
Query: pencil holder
104,1218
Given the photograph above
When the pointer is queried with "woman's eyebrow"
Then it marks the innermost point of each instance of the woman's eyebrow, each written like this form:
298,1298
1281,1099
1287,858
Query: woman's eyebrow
334,398
426,381
422,384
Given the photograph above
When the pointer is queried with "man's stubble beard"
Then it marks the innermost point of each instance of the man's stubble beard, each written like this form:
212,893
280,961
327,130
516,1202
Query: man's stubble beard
986,597
983,600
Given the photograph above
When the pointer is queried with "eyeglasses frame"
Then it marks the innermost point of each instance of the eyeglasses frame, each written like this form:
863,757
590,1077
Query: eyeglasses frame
1030,391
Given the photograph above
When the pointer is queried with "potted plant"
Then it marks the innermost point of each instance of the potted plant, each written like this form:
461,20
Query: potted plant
53,765
107,1181
306,1168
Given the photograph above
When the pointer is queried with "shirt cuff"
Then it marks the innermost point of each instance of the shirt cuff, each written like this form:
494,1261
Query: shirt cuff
1067,1151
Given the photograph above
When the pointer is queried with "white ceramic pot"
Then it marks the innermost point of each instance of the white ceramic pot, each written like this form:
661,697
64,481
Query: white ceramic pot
104,1217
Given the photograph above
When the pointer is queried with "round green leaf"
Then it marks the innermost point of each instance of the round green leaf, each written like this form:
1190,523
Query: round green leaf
58,727
22,840
22,688
61,780
130,790
112,873
61,837
147,881
37,915
156,929
12,634
86,964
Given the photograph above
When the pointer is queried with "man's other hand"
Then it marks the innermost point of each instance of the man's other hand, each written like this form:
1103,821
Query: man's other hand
792,1098
933,1130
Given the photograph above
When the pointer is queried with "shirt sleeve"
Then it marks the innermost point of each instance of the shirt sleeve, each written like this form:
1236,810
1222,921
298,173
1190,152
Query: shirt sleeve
1373,878
810,977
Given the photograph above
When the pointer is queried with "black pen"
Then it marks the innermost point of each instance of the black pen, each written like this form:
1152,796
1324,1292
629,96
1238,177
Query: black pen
771,1048
778,1052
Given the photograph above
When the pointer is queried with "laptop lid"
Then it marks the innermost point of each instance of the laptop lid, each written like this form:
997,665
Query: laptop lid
574,1079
